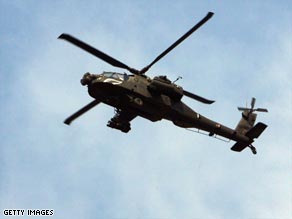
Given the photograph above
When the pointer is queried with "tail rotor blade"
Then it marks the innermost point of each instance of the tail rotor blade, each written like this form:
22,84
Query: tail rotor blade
243,108
197,97
261,110
81,111
253,100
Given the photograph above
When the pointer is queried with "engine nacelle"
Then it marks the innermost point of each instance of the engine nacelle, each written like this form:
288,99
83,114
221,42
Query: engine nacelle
159,86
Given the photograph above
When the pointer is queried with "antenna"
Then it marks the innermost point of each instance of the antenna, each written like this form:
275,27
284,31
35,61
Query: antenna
179,77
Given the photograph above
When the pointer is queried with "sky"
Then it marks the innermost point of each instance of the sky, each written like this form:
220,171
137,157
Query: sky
157,170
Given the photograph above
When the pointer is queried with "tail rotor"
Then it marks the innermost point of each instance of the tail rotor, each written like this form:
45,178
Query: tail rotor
246,126
252,109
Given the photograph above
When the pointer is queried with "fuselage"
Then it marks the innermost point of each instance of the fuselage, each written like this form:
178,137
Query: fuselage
132,93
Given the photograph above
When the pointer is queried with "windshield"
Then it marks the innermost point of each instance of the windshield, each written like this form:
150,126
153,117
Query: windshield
115,75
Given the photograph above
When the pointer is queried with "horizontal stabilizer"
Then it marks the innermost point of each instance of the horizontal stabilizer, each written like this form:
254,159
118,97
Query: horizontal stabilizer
239,146
256,131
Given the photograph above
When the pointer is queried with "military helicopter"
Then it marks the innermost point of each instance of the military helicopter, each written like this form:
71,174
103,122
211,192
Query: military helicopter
136,94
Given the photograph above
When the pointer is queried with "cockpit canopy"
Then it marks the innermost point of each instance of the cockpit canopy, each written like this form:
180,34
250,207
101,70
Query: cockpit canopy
115,75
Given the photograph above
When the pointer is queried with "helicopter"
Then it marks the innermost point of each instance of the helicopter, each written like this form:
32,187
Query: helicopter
136,94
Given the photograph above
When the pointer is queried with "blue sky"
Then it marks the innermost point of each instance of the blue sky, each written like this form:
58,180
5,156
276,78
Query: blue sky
157,170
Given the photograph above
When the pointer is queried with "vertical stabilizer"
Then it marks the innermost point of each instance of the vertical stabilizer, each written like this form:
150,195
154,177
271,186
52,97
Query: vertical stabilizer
246,126
248,117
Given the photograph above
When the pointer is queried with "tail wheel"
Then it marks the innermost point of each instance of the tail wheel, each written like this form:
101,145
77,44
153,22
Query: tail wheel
253,149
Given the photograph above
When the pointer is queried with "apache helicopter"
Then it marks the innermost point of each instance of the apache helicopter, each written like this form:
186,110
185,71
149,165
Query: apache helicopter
136,94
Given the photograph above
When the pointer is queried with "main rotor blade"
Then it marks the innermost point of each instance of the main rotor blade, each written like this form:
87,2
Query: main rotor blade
194,28
81,111
96,52
196,97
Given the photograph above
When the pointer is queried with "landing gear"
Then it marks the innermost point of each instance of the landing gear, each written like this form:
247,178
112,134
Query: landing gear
253,149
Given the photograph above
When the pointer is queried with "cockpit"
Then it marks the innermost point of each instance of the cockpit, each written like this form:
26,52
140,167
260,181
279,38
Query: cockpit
115,75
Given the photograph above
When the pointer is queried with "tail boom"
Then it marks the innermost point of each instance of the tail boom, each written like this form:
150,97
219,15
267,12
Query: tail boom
244,134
